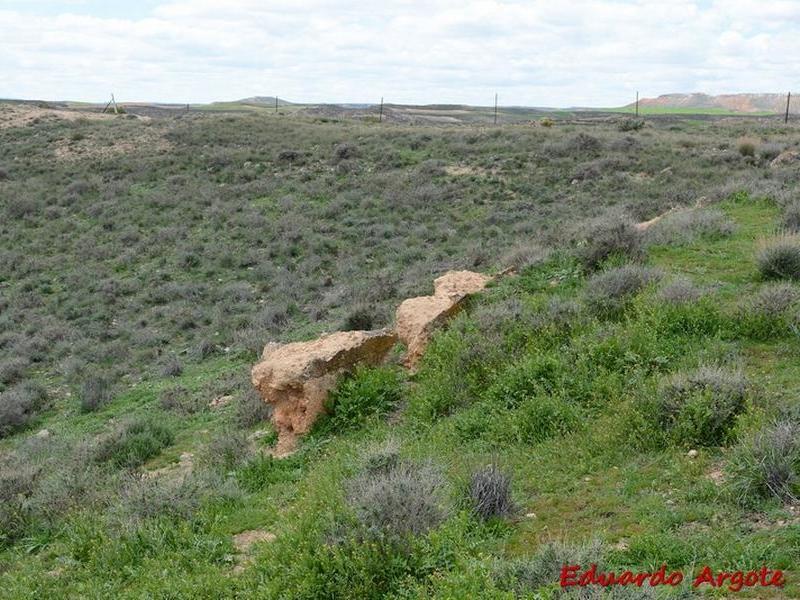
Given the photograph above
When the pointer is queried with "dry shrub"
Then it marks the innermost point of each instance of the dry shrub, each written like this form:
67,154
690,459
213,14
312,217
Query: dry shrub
609,291
182,401
171,367
401,500
95,392
41,480
791,217
767,464
490,493
774,300
680,290
607,238
19,405
747,146
251,408
779,258
344,151
382,457
13,369
227,451
524,255
173,497
770,151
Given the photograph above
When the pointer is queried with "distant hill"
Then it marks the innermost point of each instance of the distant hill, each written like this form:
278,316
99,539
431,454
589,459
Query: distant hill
754,105
740,103
263,100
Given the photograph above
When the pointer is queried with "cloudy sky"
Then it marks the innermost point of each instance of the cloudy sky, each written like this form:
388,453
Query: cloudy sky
535,53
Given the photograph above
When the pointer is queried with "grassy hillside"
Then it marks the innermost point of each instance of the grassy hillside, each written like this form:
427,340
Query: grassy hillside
635,391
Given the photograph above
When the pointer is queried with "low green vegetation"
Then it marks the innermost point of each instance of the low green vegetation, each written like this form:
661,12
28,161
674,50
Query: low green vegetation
628,399
368,393
135,443
699,408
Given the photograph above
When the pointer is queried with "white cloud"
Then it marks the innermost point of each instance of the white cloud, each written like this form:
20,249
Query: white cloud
581,52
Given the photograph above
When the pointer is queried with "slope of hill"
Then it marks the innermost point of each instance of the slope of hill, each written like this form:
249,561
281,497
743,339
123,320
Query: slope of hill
628,399
263,100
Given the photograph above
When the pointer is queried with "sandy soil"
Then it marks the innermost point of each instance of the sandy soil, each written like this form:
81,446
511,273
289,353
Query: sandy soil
21,115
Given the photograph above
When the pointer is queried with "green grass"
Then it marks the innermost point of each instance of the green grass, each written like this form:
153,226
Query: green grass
648,506
731,261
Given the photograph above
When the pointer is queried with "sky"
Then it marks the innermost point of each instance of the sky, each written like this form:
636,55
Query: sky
532,53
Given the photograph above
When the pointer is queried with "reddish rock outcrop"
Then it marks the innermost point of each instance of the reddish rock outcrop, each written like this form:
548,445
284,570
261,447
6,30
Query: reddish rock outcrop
296,378
460,283
417,318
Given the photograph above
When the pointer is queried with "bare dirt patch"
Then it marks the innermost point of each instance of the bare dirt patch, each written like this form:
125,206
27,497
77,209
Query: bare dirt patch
717,475
178,470
243,542
760,521
644,225
143,136
146,138
22,115
464,170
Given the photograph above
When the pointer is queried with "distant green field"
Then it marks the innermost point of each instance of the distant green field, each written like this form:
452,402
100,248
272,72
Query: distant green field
242,106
